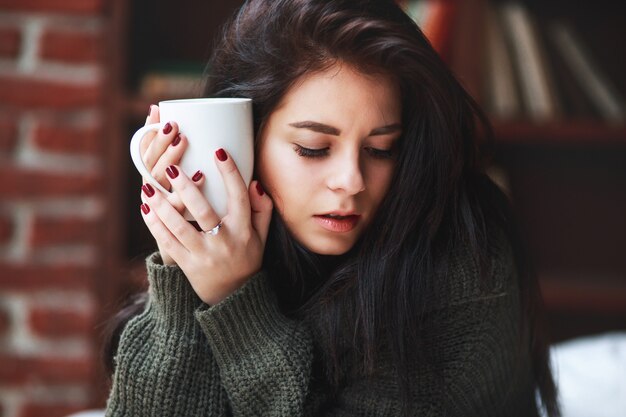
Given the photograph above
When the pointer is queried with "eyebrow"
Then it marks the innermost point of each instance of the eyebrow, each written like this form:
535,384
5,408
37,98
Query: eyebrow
330,130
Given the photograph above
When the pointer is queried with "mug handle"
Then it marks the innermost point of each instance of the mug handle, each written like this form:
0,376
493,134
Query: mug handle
135,154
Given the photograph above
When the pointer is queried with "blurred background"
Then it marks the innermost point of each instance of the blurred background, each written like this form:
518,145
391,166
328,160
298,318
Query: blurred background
77,77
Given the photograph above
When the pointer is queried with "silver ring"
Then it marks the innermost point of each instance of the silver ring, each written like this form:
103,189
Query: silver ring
215,230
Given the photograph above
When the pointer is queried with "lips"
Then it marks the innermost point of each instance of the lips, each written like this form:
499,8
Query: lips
338,223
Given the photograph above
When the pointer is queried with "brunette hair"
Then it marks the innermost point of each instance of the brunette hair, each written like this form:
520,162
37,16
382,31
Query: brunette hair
439,201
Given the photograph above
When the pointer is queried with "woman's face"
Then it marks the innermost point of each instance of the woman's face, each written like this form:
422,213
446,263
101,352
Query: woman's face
327,149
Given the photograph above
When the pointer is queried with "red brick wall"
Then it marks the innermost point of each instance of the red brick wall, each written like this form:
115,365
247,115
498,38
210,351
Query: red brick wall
52,203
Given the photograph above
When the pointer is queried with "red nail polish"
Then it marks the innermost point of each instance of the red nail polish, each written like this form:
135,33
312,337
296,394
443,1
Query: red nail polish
176,140
259,188
145,208
221,154
171,171
197,176
148,190
167,128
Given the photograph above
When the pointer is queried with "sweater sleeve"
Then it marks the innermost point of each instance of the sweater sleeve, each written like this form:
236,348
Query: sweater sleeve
264,357
164,366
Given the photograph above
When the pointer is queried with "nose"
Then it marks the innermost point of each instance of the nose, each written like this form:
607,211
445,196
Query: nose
347,176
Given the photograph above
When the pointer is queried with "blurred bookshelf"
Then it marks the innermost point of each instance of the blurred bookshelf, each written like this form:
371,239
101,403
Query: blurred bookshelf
559,125
551,78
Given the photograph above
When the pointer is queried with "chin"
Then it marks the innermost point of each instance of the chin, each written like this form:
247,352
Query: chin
329,248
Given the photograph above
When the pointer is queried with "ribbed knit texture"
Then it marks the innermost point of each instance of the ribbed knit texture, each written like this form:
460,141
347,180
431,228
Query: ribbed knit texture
243,357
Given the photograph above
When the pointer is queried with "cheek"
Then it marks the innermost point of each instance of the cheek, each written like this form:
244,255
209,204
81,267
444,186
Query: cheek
296,186
380,180
285,177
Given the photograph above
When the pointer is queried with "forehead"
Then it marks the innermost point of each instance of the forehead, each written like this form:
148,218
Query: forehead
341,85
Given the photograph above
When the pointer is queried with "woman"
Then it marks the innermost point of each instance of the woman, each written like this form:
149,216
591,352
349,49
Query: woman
370,269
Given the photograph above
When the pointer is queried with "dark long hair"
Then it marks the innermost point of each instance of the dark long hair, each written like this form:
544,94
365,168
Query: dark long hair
439,201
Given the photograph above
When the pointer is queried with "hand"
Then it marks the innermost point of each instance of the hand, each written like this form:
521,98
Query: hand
214,265
158,151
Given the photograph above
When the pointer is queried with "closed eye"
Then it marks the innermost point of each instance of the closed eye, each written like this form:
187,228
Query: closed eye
381,153
320,153
310,153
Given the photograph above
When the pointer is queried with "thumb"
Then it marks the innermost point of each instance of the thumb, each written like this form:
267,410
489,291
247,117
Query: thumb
262,206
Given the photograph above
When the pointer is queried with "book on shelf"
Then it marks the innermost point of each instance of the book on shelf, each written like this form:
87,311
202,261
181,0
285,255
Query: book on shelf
417,10
537,87
604,96
436,19
518,64
468,48
172,80
438,25
575,103
501,90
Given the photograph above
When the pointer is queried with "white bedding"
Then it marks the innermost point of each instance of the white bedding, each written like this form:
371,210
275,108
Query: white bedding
591,375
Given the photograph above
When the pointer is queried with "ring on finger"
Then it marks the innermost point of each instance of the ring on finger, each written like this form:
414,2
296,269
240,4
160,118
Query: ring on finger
215,230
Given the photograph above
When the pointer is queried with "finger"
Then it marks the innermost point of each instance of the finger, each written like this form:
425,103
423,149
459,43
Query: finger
238,200
180,228
162,235
171,156
163,139
154,114
152,117
261,205
192,198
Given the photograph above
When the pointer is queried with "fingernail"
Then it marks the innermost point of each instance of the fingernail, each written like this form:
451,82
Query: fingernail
197,176
176,140
167,128
145,208
259,188
221,154
172,172
148,190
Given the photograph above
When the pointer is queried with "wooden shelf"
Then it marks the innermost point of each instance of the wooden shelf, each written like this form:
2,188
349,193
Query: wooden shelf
578,132
590,296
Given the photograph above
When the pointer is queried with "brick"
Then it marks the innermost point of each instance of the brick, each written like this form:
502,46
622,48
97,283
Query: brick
49,410
8,134
5,322
25,92
10,42
71,46
6,229
53,323
20,370
30,183
79,7
52,231
28,278
68,139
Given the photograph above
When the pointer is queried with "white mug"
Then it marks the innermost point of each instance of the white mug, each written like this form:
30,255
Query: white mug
208,124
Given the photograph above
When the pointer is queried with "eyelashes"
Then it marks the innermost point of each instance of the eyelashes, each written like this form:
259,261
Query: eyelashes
381,153
320,153
310,153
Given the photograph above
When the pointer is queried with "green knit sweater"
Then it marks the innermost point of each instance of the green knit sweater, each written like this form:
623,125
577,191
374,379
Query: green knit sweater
243,357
